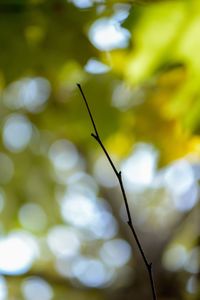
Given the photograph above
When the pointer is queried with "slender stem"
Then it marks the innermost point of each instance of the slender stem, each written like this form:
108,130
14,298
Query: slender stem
119,177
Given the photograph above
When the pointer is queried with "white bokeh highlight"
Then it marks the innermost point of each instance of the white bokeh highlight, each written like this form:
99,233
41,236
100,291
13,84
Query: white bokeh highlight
18,252
106,34
91,272
30,93
17,132
179,179
139,168
115,253
36,288
63,241
94,66
88,213
65,159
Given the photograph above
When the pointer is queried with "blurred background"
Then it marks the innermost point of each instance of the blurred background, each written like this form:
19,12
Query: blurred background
63,231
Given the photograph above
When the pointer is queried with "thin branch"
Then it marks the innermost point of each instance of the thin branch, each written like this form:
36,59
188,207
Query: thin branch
119,177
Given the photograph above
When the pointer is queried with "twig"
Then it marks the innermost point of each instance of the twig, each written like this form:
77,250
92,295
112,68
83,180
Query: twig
118,174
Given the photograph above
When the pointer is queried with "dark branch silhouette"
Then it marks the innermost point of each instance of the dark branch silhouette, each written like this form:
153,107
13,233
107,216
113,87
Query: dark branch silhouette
96,136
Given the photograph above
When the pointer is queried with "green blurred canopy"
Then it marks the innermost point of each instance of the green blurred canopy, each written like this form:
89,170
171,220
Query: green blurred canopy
63,231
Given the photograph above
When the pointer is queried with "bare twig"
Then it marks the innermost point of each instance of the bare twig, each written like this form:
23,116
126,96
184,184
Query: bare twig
118,174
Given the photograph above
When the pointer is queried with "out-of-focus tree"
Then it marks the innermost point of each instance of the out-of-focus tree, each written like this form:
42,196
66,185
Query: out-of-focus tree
63,224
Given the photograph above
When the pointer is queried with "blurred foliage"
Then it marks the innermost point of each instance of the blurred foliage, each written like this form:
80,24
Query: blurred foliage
146,106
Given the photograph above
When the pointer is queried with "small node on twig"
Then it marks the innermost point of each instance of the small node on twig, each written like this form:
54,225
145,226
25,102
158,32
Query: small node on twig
150,266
